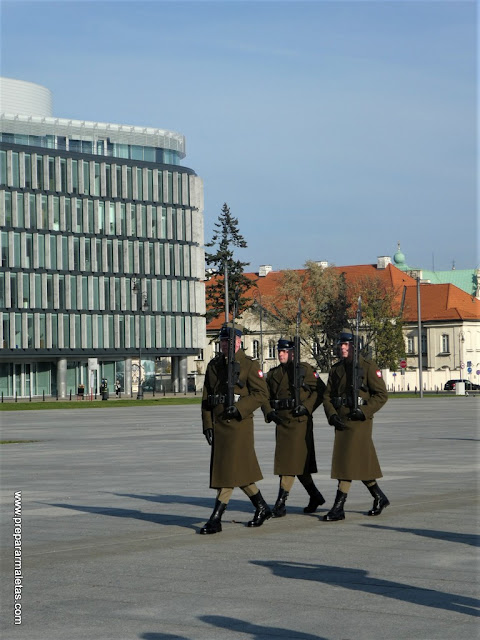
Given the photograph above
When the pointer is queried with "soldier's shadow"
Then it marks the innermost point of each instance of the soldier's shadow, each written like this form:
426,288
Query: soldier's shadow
167,519
242,504
449,536
359,580
255,631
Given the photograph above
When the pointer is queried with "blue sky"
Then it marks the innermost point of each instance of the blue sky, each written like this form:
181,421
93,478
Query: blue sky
333,130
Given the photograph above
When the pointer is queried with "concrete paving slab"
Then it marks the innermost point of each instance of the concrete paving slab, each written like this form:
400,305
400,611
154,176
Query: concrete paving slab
112,500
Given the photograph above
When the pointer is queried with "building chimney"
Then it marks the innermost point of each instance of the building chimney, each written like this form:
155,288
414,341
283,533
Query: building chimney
264,270
383,262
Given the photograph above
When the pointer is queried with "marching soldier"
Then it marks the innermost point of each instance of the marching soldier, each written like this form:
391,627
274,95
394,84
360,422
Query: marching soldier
294,449
354,455
229,429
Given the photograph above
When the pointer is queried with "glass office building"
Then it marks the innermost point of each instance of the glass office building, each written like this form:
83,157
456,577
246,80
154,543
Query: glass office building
101,251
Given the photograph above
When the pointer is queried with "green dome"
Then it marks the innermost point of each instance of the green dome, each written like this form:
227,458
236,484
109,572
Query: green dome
399,258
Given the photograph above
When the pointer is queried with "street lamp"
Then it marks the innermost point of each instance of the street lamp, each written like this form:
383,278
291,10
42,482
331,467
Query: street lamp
142,305
260,307
420,359
461,338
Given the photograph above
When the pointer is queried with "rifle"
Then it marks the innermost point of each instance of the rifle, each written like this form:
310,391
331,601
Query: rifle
357,373
232,368
298,371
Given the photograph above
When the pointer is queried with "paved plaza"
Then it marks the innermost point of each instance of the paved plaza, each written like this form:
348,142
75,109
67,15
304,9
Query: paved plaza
112,499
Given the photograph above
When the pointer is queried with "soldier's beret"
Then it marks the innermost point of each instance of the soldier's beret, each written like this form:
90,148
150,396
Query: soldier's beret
345,336
226,330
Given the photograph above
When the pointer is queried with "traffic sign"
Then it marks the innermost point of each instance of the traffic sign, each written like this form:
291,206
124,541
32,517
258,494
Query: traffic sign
462,365
403,364
394,374
478,372
469,369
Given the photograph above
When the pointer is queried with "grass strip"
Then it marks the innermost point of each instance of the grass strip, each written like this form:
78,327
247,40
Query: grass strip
94,404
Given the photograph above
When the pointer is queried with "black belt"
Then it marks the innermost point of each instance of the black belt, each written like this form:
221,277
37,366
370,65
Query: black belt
285,403
214,400
346,402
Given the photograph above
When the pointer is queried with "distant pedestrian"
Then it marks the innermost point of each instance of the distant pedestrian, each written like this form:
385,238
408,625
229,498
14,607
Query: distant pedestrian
118,388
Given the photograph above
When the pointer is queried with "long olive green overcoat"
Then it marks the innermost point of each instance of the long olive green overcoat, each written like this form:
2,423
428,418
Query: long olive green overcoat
233,460
354,456
294,442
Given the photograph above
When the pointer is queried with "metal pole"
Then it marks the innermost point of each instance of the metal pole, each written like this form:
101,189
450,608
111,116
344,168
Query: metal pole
420,381
261,334
225,276
140,388
461,340
261,329
136,286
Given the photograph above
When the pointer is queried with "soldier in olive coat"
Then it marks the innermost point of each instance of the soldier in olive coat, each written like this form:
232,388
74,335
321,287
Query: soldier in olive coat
354,455
229,429
295,448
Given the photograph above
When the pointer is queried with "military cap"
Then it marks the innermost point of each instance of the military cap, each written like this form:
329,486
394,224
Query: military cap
285,345
226,329
345,336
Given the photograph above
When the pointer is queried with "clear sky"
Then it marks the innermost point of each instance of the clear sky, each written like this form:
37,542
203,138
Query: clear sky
333,130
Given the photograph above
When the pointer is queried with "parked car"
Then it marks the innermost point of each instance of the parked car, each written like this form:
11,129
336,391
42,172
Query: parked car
450,385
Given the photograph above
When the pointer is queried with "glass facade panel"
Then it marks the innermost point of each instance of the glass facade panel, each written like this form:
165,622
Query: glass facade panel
15,170
3,168
20,222
95,226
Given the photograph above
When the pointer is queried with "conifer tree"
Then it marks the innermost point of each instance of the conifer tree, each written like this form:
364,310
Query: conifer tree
225,238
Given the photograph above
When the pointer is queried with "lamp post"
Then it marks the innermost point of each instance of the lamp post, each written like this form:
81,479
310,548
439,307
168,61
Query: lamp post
142,305
419,316
461,338
260,307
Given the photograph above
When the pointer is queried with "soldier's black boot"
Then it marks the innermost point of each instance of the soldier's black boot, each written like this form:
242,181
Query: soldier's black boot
316,499
279,510
337,512
262,511
214,524
380,500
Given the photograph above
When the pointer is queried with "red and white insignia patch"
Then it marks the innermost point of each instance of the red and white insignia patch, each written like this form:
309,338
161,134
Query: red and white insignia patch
260,373
379,373
315,374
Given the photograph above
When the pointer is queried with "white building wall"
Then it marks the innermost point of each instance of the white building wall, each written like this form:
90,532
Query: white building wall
25,98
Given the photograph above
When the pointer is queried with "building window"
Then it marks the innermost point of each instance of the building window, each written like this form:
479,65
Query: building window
410,344
256,349
3,168
424,345
200,355
271,349
445,343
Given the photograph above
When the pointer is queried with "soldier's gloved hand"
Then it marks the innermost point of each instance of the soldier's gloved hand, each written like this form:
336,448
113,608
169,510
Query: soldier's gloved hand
357,414
208,433
300,411
335,421
232,412
272,416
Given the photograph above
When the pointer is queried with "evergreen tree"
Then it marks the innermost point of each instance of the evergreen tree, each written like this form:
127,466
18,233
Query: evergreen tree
226,236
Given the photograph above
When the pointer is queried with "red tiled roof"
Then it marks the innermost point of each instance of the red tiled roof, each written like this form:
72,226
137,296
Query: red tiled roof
438,301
